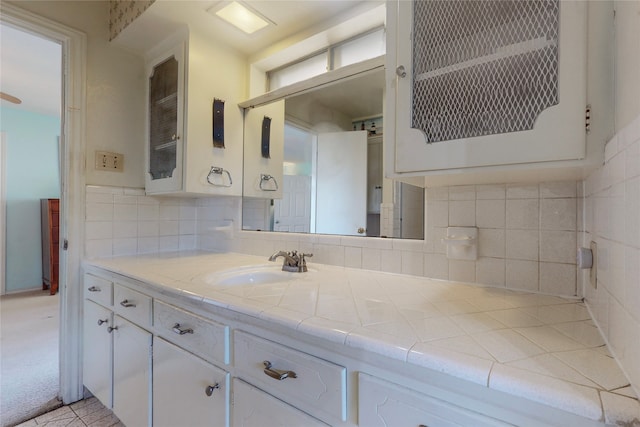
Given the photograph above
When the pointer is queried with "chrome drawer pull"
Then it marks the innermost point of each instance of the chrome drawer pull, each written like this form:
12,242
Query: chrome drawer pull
111,328
94,289
126,303
277,373
100,321
181,331
210,388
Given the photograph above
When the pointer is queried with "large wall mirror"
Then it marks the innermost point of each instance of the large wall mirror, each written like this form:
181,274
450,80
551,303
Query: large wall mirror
332,176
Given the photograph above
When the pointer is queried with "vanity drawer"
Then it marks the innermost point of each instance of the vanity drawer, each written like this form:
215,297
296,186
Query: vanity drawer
98,290
132,305
202,337
313,385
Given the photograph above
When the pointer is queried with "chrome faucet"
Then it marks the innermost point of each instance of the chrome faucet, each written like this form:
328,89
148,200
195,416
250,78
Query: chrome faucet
293,261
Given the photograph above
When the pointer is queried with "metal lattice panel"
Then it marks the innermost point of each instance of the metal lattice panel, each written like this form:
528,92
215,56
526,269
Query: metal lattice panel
483,67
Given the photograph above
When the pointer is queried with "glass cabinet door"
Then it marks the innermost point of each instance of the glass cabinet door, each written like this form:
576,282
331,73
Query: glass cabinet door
163,119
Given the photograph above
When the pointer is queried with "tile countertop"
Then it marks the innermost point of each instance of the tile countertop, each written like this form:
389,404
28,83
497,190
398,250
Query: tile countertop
543,348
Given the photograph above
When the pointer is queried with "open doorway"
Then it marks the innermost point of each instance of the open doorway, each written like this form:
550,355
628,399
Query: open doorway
31,122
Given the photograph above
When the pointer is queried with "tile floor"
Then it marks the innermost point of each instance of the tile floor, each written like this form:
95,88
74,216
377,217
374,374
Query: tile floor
88,412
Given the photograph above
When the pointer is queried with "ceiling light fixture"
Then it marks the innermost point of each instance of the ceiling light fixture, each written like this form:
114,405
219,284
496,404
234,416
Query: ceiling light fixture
241,16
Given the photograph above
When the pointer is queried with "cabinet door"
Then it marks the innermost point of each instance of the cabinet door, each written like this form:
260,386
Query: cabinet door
253,407
381,403
263,167
187,390
485,83
97,343
165,122
131,373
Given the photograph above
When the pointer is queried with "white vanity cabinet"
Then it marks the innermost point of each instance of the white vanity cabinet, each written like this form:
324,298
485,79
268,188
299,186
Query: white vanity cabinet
264,151
187,76
117,352
381,403
216,366
493,91
187,390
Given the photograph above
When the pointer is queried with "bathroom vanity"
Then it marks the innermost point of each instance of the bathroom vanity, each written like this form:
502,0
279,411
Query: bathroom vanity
228,339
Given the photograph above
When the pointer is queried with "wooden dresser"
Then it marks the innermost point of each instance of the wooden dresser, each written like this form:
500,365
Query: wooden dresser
50,209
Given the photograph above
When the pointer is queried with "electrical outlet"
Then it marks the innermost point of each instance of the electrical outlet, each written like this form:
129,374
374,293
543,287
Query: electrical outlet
593,273
108,161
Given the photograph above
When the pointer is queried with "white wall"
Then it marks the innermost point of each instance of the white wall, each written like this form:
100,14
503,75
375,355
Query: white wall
115,82
612,207
32,173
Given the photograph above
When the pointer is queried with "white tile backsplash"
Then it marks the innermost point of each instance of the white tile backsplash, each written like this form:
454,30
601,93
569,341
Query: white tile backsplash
462,213
561,189
522,274
558,246
520,191
558,214
491,271
612,220
491,192
523,214
491,242
490,213
123,221
557,278
523,244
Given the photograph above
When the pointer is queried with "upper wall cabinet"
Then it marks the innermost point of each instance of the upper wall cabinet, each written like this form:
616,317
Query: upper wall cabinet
489,91
194,138
264,151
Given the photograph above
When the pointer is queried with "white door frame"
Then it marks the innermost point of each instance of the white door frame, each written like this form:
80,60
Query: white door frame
74,48
3,210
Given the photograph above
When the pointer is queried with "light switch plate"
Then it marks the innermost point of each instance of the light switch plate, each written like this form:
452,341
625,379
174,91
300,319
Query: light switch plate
108,161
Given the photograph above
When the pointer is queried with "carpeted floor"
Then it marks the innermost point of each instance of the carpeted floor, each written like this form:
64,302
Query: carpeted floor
29,374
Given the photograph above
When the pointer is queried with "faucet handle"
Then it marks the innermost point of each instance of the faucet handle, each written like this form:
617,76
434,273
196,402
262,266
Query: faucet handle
302,258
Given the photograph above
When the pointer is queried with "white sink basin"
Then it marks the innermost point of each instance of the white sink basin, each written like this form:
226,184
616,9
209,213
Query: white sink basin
254,275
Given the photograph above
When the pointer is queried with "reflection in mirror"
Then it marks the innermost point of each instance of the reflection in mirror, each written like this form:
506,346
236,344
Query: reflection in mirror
333,180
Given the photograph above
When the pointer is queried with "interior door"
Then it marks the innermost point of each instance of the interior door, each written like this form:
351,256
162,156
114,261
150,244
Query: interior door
341,197
293,211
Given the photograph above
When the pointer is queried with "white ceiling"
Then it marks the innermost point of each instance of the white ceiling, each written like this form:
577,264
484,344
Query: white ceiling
30,65
31,71
291,17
